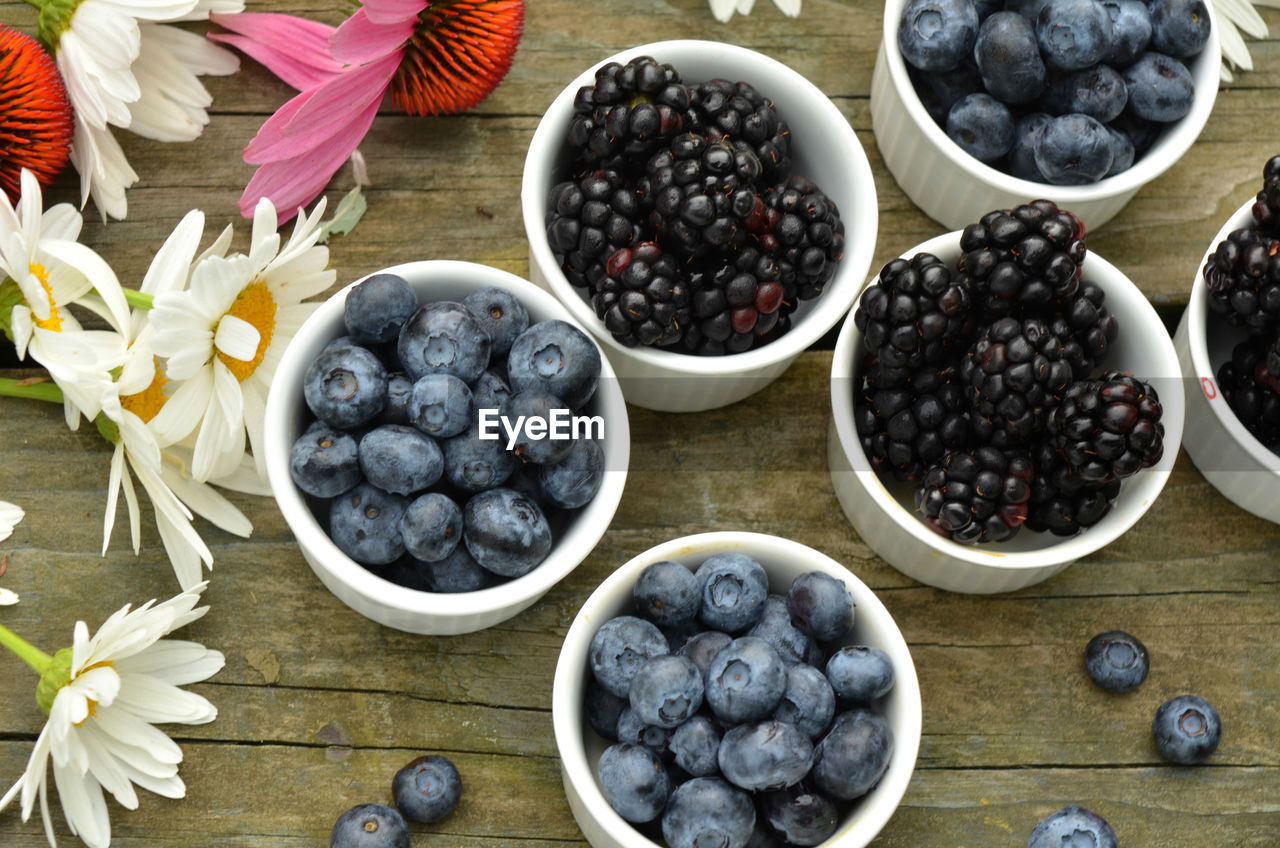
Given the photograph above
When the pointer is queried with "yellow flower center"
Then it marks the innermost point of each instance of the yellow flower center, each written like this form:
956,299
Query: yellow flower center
256,306
54,321
147,403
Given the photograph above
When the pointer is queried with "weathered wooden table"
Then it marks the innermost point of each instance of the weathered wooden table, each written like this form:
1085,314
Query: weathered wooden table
318,706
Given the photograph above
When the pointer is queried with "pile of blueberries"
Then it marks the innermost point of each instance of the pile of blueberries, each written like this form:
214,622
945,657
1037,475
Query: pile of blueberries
1066,92
395,462
732,713
425,790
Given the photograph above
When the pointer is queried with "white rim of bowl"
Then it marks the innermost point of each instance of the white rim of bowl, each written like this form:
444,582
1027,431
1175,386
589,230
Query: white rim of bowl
383,592
569,731
1177,140
1066,549
817,322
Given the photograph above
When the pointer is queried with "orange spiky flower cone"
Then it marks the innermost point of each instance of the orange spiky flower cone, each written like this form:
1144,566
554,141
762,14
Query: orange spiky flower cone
35,114
459,52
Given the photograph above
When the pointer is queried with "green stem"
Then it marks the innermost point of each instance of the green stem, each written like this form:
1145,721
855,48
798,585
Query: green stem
28,653
44,390
138,299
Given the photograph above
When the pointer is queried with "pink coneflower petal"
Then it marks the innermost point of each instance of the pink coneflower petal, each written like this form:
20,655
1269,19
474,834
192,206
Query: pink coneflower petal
359,39
294,49
394,11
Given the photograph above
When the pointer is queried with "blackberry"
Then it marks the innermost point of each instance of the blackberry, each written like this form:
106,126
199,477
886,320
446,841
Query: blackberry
906,430
1252,392
643,299
1085,327
1243,281
913,316
703,190
740,112
801,228
588,219
1027,256
1266,209
737,303
1061,502
978,496
1014,371
627,113
1108,429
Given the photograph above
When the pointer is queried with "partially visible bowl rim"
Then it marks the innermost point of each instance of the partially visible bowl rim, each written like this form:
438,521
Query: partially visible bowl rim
813,326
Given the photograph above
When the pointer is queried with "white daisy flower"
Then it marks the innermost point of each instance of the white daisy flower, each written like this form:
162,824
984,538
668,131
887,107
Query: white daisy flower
724,9
103,695
224,335
1234,18
10,516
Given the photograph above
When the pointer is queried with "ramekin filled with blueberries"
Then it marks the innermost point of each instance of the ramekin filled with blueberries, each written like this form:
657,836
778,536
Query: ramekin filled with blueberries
1003,402
734,689
979,105
1229,344
705,211
446,444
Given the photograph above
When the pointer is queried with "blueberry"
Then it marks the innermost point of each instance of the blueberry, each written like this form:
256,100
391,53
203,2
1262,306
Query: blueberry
666,691
370,826
405,571
1022,156
400,459
504,317
860,673
938,91
574,480
1073,827
375,309
620,647
1130,31
531,414
557,357
1179,28
708,811
821,605
1074,150
489,391
457,572
1116,661
1008,58
982,126
345,386
396,410
808,702
1073,34
1122,151
506,532
439,405
1098,92
745,681
793,645
703,647
854,754
695,744
1141,132
1160,88
634,782
765,755
365,524
937,35
1187,729
324,461
667,593
632,730
799,815
734,588
431,527
474,464
602,709
427,789
443,338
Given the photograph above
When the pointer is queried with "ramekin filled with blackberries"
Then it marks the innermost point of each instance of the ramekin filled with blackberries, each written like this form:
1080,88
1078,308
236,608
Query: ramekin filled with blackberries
446,444
704,210
979,105
1229,344
734,689
1004,402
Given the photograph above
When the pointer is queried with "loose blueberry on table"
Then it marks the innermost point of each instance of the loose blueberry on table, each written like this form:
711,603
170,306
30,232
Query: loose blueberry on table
427,789
1073,827
1187,729
1116,661
370,826
679,215
394,463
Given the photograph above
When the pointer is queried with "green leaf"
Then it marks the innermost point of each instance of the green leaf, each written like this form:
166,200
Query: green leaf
345,217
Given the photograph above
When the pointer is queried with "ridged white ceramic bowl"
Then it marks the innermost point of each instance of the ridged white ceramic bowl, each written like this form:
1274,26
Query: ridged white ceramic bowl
1229,457
883,513
362,590
954,189
825,150
580,747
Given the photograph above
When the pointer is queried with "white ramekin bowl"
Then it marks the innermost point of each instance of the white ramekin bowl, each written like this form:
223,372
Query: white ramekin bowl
784,560
953,188
882,510
372,596
825,150
1230,458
